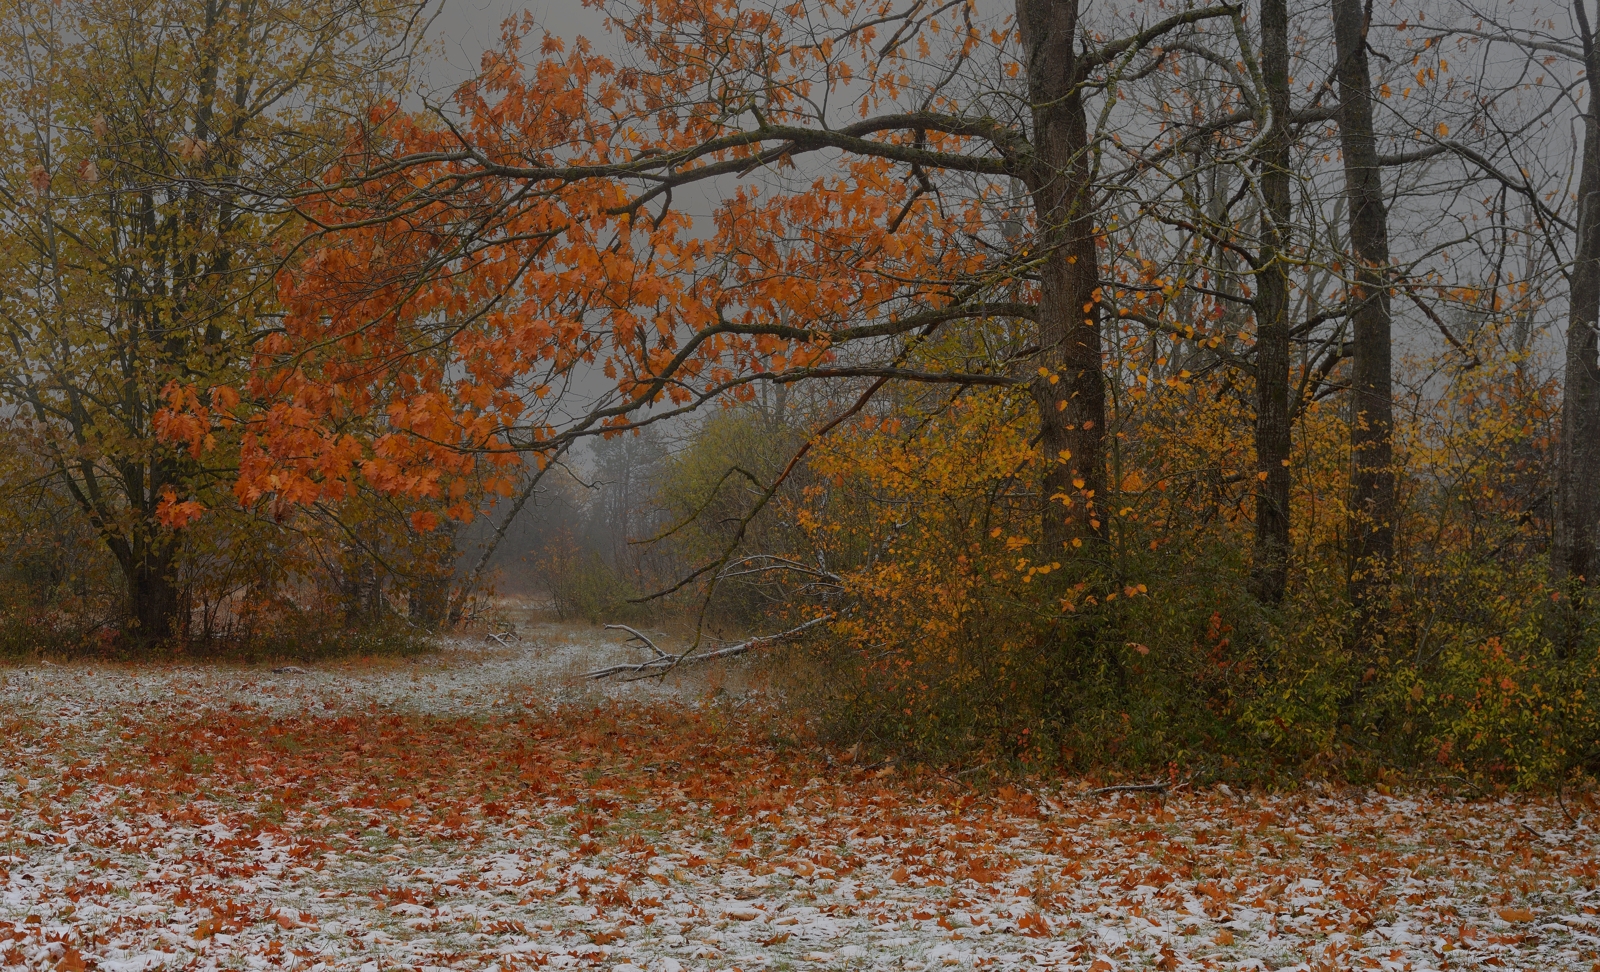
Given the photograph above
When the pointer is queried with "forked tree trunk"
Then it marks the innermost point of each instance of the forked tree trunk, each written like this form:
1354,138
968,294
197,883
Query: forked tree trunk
1071,395
1372,506
1573,557
146,555
1269,575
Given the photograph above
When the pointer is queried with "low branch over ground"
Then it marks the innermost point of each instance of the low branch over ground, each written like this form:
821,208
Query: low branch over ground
662,662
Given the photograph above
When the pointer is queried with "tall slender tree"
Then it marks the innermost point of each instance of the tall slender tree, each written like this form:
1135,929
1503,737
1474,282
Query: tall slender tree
1071,387
1574,561
1270,572
1372,477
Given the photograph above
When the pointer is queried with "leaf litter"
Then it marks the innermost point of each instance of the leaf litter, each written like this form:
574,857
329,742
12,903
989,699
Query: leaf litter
487,814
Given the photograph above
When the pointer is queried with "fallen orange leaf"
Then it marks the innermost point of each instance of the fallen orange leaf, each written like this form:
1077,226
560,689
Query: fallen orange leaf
1034,925
71,961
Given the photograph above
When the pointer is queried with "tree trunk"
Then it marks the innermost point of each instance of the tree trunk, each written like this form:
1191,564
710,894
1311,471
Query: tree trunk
1372,505
429,603
1269,575
146,553
154,600
434,568
1573,557
1071,393
360,588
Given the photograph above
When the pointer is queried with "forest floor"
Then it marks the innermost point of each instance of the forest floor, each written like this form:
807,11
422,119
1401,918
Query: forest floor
485,809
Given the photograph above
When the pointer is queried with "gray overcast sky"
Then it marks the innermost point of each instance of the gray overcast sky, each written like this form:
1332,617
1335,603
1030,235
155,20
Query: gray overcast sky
466,28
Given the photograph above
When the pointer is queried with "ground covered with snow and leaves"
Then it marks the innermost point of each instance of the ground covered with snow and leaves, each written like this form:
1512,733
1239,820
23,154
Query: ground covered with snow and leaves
482,809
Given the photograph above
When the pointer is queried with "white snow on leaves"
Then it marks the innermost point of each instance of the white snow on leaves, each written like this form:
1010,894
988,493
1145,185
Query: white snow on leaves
849,873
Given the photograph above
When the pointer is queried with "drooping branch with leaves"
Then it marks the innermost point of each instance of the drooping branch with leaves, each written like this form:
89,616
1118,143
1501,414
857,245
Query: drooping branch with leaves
476,274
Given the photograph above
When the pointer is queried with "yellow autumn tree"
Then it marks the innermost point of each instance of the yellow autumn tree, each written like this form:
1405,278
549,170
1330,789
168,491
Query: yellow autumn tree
145,152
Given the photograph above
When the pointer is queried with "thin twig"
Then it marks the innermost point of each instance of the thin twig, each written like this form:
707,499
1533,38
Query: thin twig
968,772
1561,801
1461,779
1158,786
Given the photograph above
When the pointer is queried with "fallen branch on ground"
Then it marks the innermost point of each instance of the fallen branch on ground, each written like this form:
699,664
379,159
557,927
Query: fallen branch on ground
1155,787
664,662
639,637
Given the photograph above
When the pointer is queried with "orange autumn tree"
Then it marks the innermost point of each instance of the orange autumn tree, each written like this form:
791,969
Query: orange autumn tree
517,274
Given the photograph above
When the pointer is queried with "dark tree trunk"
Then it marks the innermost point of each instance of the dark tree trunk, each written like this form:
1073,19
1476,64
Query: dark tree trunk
154,601
1573,558
1372,476
1269,576
1071,394
146,553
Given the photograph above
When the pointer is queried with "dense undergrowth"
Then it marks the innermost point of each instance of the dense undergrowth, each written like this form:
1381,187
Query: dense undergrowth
306,637
957,635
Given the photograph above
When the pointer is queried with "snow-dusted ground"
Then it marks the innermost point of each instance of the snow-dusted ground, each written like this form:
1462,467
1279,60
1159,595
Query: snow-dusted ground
542,665
484,809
